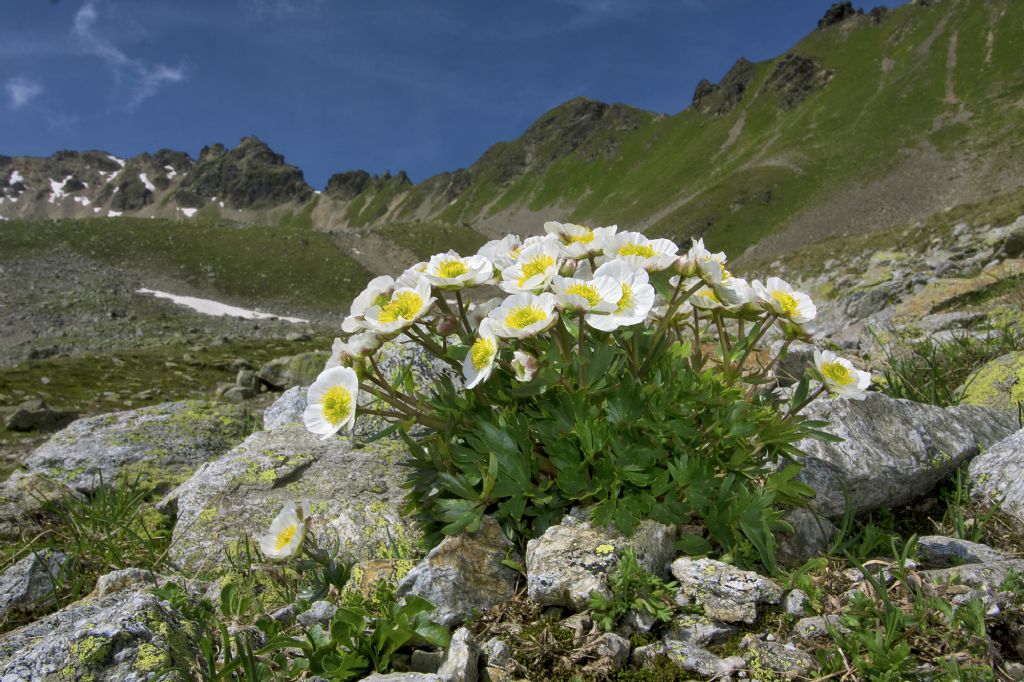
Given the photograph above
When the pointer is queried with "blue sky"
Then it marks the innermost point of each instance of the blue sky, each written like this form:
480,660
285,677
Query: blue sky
419,85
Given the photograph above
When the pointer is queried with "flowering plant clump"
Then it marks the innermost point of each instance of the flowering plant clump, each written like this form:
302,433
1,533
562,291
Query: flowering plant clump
590,367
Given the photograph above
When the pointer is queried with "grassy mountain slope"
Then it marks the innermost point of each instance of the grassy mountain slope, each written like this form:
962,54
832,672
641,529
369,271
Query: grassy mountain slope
862,124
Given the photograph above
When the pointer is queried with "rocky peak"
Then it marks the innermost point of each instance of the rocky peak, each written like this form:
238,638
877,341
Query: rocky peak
249,176
721,98
350,184
838,12
794,78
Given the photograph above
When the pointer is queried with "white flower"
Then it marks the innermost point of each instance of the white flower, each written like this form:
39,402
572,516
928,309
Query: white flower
636,301
402,310
525,366
376,292
523,315
479,360
710,266
331,402
598,295
733,292
451,271
638,251
777,296
532,272
704,298
580,241
840,376
357,346
411,276
286,532
502,252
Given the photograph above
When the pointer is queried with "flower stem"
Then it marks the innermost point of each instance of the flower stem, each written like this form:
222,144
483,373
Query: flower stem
462,312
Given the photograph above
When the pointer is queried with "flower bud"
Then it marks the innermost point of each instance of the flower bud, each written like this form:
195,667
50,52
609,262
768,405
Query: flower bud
446,325
524,365
568,268
685,265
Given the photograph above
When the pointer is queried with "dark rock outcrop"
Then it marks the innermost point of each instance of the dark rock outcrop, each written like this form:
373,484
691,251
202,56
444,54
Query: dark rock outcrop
350,184
249,176
721,98
838,12
794,78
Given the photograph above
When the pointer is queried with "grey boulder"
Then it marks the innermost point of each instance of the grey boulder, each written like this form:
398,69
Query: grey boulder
125,637
726,593
572,559
464,575
892,450
997,475
159,445
28,585
355,495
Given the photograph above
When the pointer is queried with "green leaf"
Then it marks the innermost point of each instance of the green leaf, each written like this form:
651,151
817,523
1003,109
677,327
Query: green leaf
693,545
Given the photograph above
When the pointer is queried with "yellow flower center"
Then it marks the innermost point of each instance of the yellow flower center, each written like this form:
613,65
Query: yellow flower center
586,291
482,352
336,405
535,266
514,253
405,305
284,537
708,294
523,316
634,249
585,238
786,301
627,297
837,373
450,269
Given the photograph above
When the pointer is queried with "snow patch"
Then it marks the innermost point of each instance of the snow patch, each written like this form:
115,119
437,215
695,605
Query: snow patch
218,309
57,189
84,201
114,214
15,177
170,172
189,212
119,162
96,209
222,204
145,181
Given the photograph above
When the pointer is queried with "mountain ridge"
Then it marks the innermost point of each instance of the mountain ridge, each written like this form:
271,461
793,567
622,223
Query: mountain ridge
872,119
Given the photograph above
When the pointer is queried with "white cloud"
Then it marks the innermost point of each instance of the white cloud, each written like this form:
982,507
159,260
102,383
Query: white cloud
21,91
141,80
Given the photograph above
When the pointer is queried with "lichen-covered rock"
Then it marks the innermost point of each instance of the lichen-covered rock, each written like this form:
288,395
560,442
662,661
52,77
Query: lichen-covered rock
699,630
687,656
160,445
571,560
461,658
726,592
125,637
774,660
998,384
356,492
27,586
23,500
464,575
997,476
128,578
983,576
939,551
293,370
892,450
